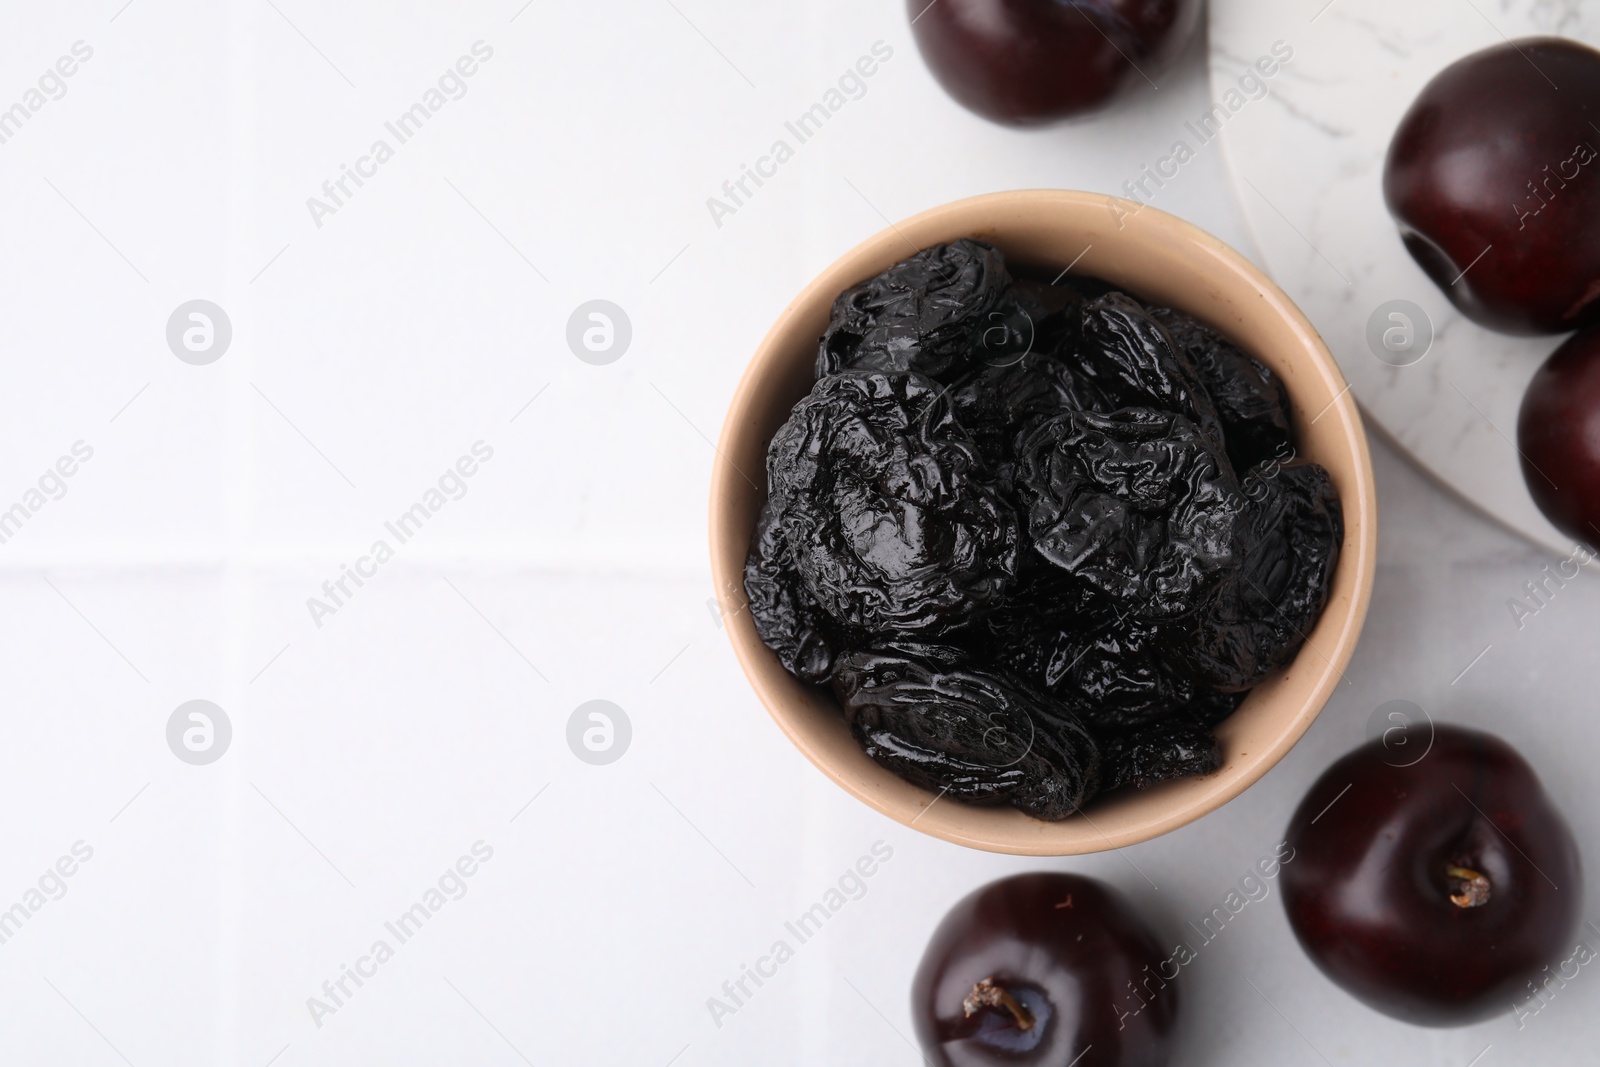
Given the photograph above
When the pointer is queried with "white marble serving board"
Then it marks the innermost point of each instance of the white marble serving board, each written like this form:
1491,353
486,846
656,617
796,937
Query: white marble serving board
1307,160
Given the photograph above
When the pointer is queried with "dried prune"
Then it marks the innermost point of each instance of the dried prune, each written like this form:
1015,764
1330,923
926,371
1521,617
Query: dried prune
939,312
1137,504
1132,359
887,509
1157,752
978,737
1123,674
1026,644
1250,399
1007,527
1042,624
1027,647
788,621
1290,541
993,401
933,654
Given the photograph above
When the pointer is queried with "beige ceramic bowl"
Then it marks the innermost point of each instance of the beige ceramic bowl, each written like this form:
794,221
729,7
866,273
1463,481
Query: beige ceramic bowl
1161,259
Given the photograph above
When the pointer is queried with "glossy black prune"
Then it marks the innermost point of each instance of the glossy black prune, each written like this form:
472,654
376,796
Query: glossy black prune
1008,527
1063,639
1036,642
934,654
1123,675
941,312
1292,531
1134,362
1251,402
1138,505
977,737
788,621
1028,648
887,509
994,400
1157,752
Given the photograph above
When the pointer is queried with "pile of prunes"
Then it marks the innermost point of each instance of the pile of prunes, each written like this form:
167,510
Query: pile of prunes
1038,537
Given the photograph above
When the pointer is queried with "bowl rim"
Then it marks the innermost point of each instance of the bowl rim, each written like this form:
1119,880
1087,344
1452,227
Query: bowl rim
966,217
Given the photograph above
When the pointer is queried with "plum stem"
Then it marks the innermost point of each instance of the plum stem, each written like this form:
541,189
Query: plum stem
1471,887
987,993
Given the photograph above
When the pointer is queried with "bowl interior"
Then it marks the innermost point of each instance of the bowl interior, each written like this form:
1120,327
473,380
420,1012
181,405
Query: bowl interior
1160,259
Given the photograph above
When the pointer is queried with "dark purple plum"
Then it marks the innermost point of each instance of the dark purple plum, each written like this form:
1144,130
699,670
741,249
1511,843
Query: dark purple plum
1028,62
1494,178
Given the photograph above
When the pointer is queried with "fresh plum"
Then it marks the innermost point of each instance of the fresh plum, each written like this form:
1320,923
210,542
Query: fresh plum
1042,970
1558,435
1028,62
1494,178
1434,889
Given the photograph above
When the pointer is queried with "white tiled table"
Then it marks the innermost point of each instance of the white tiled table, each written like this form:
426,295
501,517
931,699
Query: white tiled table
374,751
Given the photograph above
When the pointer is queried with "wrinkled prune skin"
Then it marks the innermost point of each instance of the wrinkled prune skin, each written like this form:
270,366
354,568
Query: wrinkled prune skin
941,312
1290,540
1157,752
1138,505
1062,639
784,615
1251,401
977,737
1008,528
1134,362
1042,625
887,509
994,400
939,655
1122,675
1027,647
